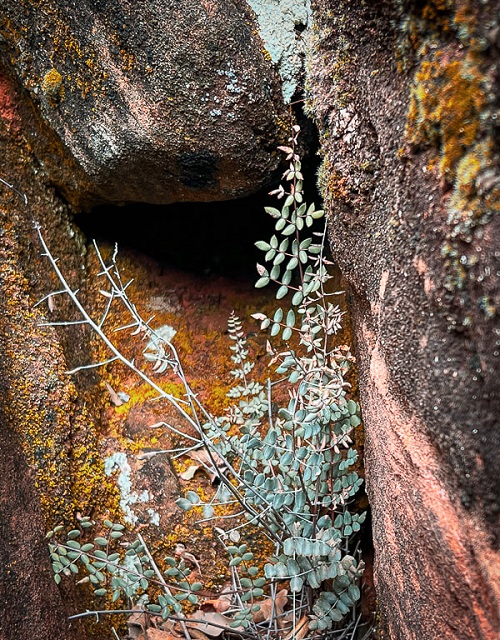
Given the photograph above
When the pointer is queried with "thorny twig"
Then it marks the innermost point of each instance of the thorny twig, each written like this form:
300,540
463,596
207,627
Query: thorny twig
118,291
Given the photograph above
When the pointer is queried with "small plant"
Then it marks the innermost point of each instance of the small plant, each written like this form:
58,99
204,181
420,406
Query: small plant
124,571
290,471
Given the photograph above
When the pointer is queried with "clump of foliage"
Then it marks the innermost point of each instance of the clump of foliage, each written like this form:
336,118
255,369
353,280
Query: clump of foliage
290,471
122,570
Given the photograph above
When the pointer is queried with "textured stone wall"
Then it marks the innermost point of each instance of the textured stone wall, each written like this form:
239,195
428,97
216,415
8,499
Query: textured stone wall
405,96
41,420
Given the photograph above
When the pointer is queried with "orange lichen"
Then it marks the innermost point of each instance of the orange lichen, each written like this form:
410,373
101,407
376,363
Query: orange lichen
426,25
337,186
472,203
52,85
450,113
446,102
437,13
128,60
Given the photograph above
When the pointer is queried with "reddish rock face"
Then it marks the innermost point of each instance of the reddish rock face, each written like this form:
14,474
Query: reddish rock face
155,102
31,603
406,103
38,411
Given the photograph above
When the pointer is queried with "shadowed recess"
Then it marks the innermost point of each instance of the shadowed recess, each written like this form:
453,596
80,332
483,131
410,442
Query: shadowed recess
215,238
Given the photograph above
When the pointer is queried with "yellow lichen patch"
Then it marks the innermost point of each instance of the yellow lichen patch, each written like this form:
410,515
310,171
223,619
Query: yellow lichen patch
93,491
57,435
446,102
267,55
472,201
145,392
52,84
217,399
467,170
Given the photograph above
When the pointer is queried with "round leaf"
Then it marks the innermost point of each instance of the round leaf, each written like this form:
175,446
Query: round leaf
208,511
193,497
296,584
281,293
184,504
262,282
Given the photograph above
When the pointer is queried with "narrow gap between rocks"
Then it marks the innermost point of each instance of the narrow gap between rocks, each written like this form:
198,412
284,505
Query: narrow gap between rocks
202,238
208,249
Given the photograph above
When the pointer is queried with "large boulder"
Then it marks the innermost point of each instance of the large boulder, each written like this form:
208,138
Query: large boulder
156,102
406,99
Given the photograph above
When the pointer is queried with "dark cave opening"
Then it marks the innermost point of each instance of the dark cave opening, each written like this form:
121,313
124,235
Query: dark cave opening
204,238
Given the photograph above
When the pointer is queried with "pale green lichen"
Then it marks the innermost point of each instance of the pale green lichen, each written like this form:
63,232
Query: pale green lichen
118,462
278,22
